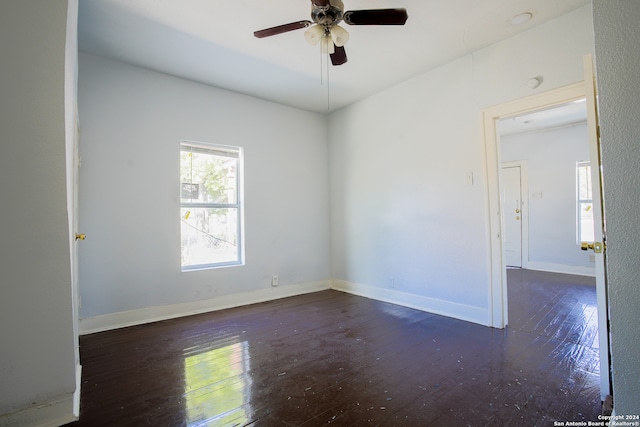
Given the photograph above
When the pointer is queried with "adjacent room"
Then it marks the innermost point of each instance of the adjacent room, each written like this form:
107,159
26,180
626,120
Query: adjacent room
264,232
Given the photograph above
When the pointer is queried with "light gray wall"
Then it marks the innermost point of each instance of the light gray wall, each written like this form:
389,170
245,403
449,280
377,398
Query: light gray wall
551,157
37,363
132,122
617,37
399,204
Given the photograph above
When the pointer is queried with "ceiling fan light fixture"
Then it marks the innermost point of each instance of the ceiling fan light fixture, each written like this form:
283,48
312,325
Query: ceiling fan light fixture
314,34
339,35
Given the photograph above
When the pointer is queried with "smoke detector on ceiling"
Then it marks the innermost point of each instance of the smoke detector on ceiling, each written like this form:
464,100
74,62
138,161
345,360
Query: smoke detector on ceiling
534,82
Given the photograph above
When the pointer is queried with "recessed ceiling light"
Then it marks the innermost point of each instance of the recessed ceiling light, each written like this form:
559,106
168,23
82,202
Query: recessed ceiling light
521,18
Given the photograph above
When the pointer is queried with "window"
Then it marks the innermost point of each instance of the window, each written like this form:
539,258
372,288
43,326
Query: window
210,205
584,202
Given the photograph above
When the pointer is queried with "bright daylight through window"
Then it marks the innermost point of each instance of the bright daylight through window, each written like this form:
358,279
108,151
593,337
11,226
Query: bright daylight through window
585,202
210,205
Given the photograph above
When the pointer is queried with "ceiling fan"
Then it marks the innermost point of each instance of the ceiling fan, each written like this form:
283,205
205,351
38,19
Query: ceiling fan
323,27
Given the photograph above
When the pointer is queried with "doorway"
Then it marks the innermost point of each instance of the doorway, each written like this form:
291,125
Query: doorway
551,290
542,150
498,312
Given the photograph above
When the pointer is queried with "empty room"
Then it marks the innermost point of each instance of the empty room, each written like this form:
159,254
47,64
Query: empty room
381,213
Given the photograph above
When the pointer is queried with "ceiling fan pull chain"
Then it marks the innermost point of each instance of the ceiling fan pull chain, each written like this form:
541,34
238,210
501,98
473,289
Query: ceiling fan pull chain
328,104
321,66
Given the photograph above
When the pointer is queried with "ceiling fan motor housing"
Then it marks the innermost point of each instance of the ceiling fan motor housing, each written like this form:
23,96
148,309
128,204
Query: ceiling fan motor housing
326,16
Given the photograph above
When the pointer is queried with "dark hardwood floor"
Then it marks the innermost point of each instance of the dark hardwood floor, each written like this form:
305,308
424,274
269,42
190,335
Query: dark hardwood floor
335,358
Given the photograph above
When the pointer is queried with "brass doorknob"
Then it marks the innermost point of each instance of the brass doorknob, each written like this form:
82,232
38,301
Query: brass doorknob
80,236
585,246
517,210
597,247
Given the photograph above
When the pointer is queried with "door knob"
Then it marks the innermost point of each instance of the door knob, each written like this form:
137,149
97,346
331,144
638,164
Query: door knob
585,246
80,236
597,247
517,210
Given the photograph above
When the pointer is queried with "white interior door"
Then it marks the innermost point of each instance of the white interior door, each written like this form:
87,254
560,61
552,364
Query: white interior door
512,214
598,246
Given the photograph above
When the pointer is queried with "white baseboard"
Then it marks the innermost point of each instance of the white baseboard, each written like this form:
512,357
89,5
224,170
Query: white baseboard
431,305
123,319
76,394
56,412
561,268
153,314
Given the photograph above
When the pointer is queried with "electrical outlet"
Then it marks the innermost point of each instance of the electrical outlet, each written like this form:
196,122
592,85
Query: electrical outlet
392,282
274,280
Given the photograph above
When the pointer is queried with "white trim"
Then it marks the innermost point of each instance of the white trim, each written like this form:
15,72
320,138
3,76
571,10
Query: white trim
76,394
123,319
153,314
562,268
53,413
431,305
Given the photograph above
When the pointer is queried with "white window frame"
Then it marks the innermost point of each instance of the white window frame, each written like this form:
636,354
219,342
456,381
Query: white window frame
231,152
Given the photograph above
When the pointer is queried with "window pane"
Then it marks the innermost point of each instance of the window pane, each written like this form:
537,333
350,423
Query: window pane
209,236
207,178
586,222
210,212
584,182
584,206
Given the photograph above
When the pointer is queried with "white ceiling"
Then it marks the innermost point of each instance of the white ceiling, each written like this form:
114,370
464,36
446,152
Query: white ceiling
563,115
212,42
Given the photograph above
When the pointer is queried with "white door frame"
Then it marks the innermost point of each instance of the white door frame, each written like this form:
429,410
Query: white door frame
498,275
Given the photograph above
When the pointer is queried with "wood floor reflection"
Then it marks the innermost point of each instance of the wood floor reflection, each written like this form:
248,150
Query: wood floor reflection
333,358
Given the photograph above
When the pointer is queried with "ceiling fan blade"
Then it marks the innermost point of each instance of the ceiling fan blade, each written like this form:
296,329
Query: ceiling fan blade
339,56
267,32
320,2
376,17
